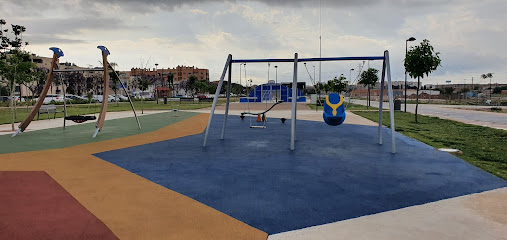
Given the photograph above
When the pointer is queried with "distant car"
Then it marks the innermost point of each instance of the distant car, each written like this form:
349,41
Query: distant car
52,98
18,99
143,95
122,98
8,98
98,98
75,97
111,98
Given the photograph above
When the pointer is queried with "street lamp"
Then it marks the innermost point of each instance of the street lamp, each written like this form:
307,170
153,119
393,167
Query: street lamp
350,74
313,73
241,64
156,71
276,83
244,67
406,51
350,81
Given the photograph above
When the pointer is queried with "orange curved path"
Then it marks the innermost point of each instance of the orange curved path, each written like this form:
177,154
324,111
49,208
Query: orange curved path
131,206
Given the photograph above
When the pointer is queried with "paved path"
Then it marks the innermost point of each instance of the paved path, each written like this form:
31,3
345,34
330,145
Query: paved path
455,112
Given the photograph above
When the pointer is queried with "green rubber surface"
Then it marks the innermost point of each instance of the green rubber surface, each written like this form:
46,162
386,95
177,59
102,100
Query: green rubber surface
54,138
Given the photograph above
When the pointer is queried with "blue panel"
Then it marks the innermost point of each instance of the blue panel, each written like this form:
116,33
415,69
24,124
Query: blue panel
334,174
57,51
104,49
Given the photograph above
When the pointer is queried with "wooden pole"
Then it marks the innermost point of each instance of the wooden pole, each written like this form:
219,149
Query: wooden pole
56,54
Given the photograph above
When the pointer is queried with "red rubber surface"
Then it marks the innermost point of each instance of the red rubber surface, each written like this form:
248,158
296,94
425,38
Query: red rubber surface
34,206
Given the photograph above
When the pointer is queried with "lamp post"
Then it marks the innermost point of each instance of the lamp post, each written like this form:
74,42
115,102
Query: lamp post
244,67
156,73
313,73
406,51
350,75
276,83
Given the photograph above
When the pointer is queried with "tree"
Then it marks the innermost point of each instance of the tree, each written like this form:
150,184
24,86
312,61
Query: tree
192,81
36,83
142,84
115,81
236,88
419,61
447,91
170,81
369,78
201,86
212,87
337,85
75,83
498,90
488,75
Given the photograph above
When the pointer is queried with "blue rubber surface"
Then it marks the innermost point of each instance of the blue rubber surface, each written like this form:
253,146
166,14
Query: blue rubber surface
335,173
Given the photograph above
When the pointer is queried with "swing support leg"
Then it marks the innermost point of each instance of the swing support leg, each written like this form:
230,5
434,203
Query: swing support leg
17,132
96,132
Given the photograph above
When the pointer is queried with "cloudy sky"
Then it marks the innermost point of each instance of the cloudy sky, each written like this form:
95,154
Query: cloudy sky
470,35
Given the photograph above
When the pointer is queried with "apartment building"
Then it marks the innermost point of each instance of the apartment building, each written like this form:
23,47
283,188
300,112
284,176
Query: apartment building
180,73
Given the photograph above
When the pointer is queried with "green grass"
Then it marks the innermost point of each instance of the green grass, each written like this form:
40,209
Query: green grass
86,109
483,147
348,106
54,138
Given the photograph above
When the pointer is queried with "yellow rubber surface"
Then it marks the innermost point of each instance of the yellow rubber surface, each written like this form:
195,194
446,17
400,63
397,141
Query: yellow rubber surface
131,206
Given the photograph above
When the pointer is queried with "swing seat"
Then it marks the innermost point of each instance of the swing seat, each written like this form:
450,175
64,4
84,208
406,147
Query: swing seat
334,110
80,119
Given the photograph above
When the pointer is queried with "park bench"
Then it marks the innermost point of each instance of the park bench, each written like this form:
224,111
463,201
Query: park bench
187,99
48,109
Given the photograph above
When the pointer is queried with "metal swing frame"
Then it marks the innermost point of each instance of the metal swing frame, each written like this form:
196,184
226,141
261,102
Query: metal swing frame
386,73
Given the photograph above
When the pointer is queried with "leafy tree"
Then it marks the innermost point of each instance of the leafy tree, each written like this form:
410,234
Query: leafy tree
36,83
212,87
201,86
75,82
419,61
498,90
15,69
488,75
236,88
115,81
170,80
192,81
337,85
369,78
447,91
143,84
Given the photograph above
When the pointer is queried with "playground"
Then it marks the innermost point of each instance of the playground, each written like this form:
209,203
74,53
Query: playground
208,174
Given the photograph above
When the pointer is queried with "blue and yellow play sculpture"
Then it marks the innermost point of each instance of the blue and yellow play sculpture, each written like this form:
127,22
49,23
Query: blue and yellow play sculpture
334,110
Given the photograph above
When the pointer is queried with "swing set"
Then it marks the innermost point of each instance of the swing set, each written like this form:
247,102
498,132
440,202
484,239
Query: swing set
386,73
57,53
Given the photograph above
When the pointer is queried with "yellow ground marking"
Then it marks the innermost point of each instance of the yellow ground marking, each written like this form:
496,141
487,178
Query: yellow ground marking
131,206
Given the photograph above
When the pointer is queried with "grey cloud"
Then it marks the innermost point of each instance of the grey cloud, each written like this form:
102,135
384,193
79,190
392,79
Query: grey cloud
170,5
71,25
46,39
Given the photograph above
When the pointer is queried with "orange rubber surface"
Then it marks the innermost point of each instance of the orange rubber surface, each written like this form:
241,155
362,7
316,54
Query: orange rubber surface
131,206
